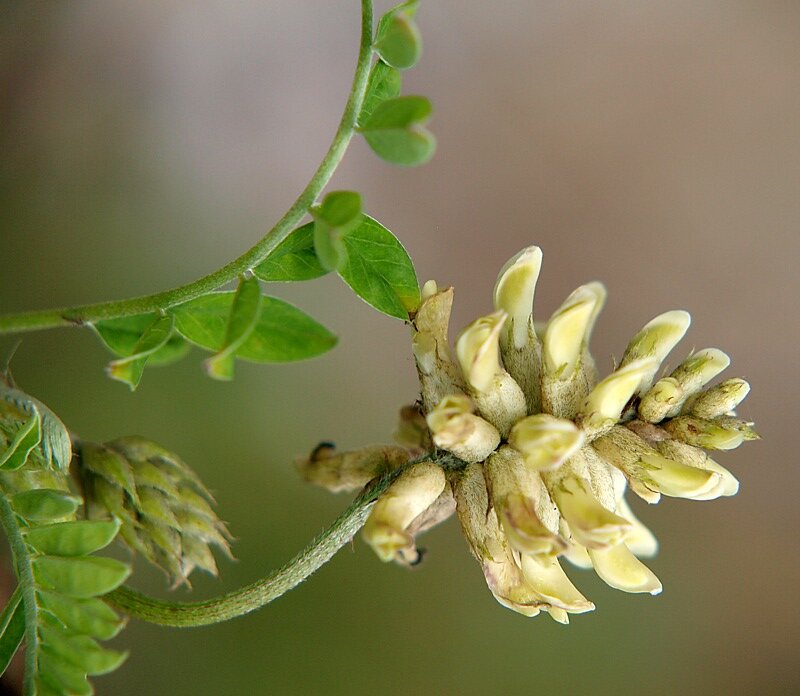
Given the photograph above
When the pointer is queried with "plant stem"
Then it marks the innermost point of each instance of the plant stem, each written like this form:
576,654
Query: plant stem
261,592
83,314
24,570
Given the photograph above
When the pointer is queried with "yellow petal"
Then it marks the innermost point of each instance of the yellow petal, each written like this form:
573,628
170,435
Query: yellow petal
567,330
620,569
514,291
656,339
549,580
545,441
478,350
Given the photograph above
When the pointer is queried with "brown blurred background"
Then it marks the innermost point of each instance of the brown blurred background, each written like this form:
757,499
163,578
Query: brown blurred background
651,145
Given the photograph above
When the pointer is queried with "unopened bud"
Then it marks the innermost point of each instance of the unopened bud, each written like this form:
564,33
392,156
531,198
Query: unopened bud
703,433
721,399
514,293
727,484
660,400
545,441
455,428
478,350
695,372
606,402
489,545
349,471
410,495
567,331
655,340
524,508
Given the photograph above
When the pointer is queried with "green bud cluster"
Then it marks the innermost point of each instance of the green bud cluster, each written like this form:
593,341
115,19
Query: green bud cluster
166,512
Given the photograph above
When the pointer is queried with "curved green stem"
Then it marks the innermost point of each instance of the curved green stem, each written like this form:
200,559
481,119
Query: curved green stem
82,314
24,569
261,592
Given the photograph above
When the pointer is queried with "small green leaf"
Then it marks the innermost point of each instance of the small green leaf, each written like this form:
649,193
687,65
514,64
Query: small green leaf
396,133
81,652
44,504
283,333
24,442
384,83
397,39
63,677
244,313
293,259
121,336
12,628
338,213
379,270
131,368
77,538
92,617
339,208
82,577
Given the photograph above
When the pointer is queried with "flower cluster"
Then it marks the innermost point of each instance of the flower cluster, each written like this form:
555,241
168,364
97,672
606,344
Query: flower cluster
547,449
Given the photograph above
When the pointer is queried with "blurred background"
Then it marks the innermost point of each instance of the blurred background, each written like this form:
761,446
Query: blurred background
651,145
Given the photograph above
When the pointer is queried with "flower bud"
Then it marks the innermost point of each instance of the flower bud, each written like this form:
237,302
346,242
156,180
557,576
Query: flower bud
498,397
703,433
546,576
438,373
412,430
545,441
591,524
520,347
648,472
524,508
727,484
514,292
660,400
567,331
620,569
349,471
695,372
721,399
165,511
489,545
386,530
745,428
655,341
604,405
455,428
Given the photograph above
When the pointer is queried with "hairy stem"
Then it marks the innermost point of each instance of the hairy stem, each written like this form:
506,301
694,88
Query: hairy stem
261,592
82,314
24,570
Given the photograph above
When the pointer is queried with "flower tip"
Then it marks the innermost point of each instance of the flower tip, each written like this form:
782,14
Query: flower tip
605,403
429,289
567,331
657,338
478,350
515,288
545,441
620,569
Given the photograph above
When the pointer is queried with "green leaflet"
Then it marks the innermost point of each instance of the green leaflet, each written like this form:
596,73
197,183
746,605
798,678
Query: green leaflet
293,259
395,131
121,335
397,39
44,504
81,577
379,270
384,83
91,617
282,333
27,438
77,538
12,628
242,319
131,368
